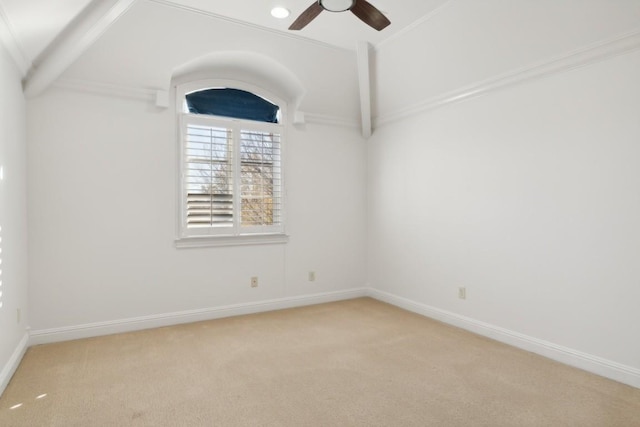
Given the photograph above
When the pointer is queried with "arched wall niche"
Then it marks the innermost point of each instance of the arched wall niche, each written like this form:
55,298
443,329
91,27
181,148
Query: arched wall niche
251,71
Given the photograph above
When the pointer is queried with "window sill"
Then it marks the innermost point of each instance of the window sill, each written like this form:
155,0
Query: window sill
241,240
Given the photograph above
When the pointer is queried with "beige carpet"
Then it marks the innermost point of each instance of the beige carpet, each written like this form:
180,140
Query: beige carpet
351,363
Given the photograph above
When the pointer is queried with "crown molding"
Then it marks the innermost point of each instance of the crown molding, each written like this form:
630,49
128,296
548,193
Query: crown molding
593,53
400,33
150,95
11,43
107,89
322,119
245,24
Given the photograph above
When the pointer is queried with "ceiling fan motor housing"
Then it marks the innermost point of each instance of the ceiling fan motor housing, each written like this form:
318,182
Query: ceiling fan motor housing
364,10
337,5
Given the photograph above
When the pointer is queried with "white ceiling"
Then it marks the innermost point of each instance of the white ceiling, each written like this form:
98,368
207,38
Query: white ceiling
36,23
469,40
339,29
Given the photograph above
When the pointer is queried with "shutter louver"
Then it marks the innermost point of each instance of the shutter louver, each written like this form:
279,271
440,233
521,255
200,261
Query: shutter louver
208,177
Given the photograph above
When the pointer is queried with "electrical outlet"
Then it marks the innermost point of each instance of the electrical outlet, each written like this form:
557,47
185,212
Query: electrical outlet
312,276
462,293
254,282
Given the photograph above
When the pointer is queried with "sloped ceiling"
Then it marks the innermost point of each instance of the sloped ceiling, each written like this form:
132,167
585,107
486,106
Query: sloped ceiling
47,37
443,43
36,23
338,29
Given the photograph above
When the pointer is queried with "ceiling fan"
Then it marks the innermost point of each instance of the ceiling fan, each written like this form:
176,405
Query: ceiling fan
361,8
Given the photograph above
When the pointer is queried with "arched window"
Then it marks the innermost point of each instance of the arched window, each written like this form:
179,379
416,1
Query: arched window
231,184
234,103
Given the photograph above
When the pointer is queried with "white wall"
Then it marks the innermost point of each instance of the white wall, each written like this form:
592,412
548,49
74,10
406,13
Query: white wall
102,212
145,46
13,214
102,179
529,197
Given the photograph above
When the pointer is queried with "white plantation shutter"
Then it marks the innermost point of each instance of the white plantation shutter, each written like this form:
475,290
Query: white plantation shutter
208,176
231,177
1,303
261,178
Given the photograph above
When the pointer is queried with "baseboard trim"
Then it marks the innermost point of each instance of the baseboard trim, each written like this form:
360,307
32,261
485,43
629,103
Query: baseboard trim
46,336
596,365
12,364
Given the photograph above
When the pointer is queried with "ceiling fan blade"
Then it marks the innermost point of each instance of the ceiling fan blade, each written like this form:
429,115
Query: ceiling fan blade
370,15
307,16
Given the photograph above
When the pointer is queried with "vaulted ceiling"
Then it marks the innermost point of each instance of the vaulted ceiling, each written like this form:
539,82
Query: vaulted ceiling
36,23
454,42
46,37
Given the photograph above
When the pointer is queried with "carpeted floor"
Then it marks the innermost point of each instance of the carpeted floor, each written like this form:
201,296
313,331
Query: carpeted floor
352,363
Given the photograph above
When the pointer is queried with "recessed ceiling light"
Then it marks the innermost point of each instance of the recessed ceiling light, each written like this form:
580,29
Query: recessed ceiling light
280,12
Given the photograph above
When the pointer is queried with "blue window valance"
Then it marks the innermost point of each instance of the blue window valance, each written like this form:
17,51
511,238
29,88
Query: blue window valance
235,103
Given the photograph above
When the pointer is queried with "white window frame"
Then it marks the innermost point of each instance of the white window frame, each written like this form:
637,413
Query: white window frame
236,234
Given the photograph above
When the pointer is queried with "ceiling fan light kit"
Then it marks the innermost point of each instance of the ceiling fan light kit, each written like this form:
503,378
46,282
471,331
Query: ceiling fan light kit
364,10
337,5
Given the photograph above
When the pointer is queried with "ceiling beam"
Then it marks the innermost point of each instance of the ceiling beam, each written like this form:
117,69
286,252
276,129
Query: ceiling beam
364,78
10,42
83,32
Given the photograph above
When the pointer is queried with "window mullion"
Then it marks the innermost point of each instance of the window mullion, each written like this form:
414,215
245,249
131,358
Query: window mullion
210,184
237,180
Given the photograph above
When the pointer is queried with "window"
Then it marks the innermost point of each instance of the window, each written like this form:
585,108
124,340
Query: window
231,181
1,291
1,303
